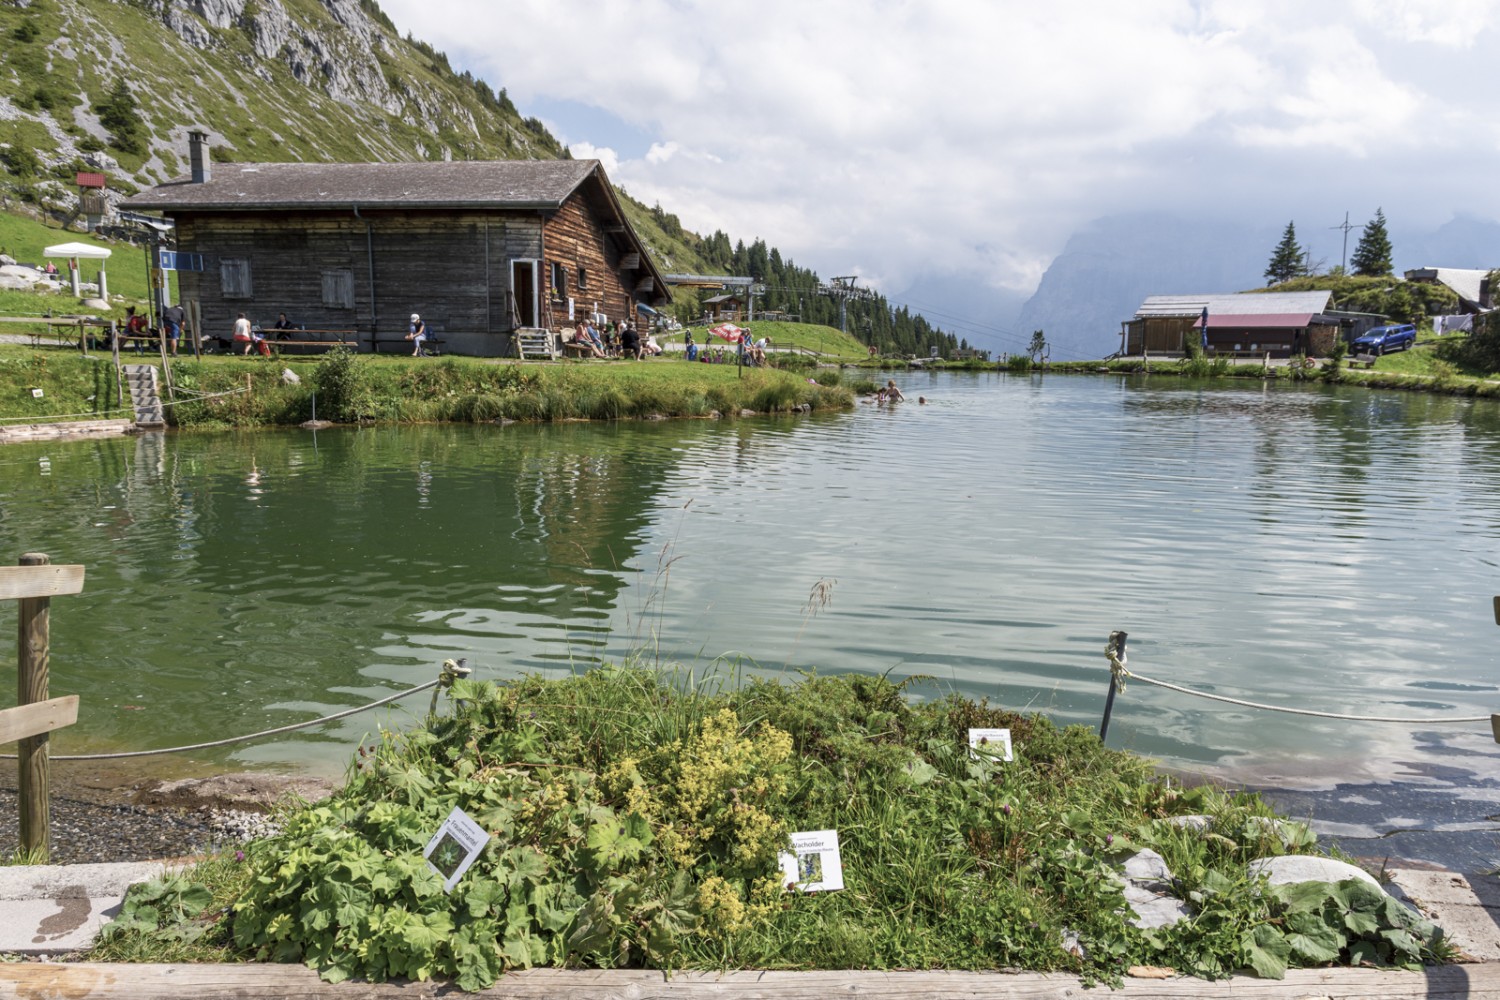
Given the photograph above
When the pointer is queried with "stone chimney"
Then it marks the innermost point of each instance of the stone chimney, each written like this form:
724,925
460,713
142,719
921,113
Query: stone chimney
198,156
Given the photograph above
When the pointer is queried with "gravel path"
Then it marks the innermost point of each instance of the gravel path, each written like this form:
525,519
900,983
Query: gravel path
93,832
114,812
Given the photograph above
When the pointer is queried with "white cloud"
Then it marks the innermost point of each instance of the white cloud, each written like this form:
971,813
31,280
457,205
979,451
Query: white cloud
896,138
1452,23
605,155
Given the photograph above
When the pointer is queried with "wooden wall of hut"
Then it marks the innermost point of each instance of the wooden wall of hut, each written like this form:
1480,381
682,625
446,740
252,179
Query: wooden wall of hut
575,237
1159,334
452,268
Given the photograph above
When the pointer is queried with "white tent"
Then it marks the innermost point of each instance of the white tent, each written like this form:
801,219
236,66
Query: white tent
85,250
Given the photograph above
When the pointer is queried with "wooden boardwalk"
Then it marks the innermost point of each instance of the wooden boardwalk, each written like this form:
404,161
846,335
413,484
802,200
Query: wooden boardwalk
36,981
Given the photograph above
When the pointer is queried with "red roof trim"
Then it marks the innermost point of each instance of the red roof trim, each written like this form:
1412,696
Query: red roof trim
1256,322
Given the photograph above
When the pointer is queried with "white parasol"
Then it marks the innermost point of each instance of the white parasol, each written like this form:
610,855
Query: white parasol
85,250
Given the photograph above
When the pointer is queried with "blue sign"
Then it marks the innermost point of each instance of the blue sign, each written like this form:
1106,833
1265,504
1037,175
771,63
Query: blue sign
171,260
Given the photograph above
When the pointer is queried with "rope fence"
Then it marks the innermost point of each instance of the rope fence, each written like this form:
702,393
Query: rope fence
452,671
190,395
1114,652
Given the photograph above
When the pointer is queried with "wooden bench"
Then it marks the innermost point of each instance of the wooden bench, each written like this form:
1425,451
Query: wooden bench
322,345
1368,360
395,344
572,350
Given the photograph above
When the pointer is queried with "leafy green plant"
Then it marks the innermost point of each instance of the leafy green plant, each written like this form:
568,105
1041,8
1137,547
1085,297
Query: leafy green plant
166,907
343,385
1352,921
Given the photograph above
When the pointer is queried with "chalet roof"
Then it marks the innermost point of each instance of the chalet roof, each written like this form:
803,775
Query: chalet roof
504,184
455,184
1464,281
1263,321
1241,304
721,298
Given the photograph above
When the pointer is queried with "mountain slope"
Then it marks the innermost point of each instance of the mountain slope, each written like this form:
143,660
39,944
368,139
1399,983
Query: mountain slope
116,85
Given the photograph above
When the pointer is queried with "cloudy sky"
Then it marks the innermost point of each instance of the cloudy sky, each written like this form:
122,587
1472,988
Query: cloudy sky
950,141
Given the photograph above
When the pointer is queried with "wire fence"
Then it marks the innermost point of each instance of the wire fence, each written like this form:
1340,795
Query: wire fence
452,670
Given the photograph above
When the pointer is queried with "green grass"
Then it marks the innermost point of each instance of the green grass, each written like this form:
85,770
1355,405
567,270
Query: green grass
24,238
636,818
71,385
825,340
401,389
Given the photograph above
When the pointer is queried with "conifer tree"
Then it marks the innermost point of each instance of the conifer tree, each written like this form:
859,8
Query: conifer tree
1288,260
118,113
1372,257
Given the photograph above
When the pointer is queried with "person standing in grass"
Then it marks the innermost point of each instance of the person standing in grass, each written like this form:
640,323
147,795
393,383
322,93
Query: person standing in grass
171,325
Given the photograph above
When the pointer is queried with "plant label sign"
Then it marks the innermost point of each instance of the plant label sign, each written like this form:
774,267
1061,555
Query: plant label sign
454,847
992,743
813,864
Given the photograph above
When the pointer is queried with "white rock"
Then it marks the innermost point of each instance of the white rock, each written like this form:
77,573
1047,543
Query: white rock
1147,866
1293,868
1154,909
1148,890
290,377
1194,822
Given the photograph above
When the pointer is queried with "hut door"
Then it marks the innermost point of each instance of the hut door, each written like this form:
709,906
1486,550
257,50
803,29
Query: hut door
523,282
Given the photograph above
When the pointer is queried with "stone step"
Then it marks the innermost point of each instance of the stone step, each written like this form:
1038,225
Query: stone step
59,908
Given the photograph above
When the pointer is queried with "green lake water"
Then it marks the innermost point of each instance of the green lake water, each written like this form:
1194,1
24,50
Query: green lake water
1320,547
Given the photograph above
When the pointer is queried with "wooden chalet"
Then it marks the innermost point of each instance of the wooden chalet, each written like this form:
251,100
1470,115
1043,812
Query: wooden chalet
723,307
1249,323
480,249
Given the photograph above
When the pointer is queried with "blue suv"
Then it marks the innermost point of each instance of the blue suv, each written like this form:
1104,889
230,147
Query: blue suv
1385,338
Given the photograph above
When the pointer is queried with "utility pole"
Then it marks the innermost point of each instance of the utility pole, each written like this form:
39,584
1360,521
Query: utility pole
1344,260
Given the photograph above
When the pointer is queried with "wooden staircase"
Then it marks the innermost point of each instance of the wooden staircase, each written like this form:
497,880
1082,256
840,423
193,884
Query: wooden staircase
145,397
535,343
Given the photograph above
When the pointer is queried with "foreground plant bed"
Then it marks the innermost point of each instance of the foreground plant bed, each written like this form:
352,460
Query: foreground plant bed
637,823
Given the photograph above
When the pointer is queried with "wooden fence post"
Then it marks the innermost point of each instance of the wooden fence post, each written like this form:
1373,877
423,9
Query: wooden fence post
31,686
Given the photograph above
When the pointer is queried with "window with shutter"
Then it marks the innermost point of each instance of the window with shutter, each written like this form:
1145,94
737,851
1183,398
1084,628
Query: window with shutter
338,289
234,277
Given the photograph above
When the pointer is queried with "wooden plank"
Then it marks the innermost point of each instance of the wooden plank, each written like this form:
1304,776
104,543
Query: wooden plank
37,718
90,980
20,582
32,660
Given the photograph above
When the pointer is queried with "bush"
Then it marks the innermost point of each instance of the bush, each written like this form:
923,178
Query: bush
1019,364
343,384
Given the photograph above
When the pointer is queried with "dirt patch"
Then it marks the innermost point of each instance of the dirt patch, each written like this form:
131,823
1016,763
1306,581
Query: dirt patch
247,791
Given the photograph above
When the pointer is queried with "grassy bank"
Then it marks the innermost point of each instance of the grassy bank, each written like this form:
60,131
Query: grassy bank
636,820
1420,370
245,392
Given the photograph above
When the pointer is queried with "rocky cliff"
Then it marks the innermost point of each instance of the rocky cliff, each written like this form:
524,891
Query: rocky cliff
268,79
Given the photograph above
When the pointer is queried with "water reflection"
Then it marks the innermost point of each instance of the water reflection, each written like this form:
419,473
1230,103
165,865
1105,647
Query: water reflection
1314,545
